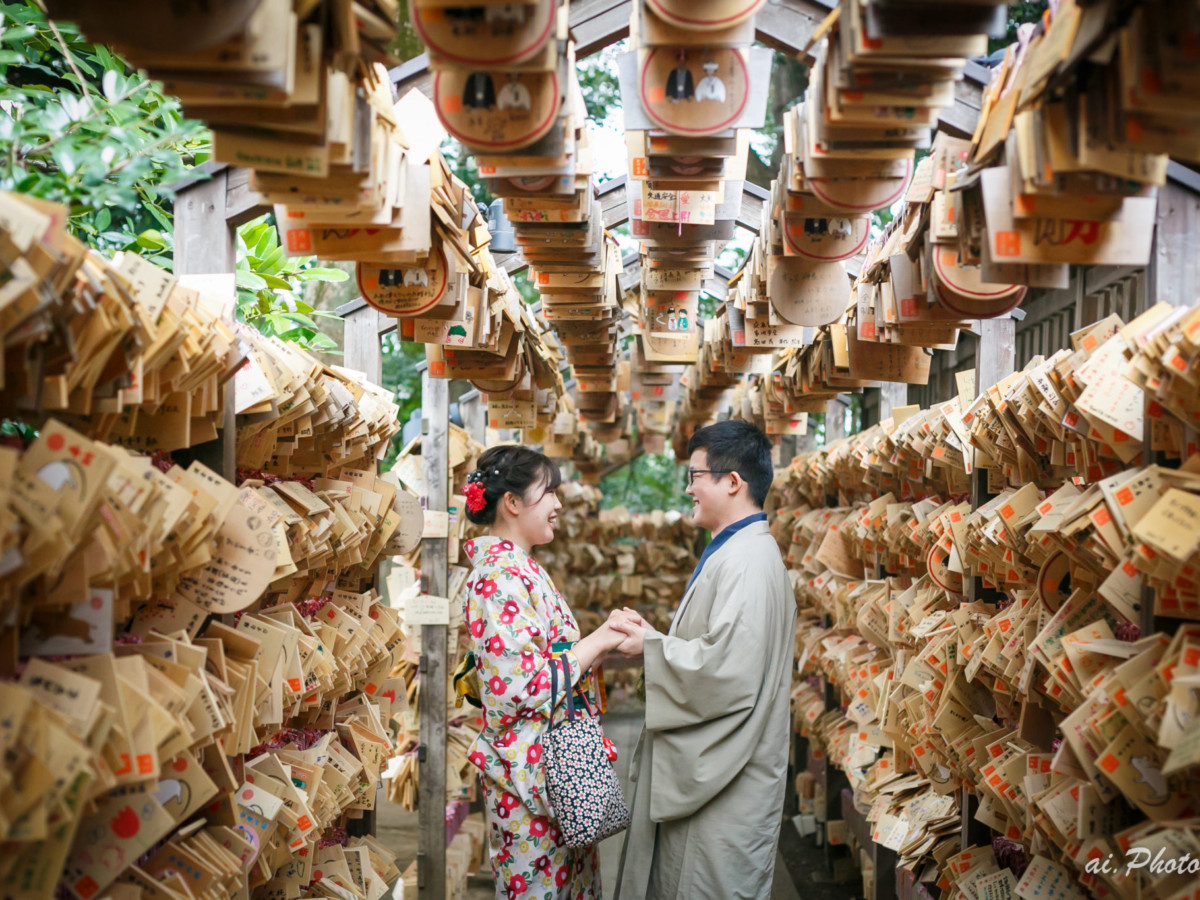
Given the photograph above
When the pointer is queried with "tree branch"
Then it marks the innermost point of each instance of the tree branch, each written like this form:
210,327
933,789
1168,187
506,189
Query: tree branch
71,62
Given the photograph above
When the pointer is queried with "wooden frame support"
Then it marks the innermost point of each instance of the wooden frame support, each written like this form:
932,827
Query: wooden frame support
205,245
431,753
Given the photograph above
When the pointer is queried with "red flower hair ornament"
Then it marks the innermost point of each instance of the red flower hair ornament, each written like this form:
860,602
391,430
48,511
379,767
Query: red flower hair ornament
476,501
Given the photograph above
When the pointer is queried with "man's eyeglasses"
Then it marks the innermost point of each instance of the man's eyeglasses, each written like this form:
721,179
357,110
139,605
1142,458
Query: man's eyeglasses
692,473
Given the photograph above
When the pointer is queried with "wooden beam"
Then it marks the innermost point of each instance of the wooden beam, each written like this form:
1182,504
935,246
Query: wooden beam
787,26
241,203
753,200
598,32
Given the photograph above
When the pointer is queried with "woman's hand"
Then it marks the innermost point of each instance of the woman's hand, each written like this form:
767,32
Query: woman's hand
597,645
633,629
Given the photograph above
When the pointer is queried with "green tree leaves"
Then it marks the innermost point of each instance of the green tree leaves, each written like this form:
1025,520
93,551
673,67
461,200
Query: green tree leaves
270,287
79,127
649,482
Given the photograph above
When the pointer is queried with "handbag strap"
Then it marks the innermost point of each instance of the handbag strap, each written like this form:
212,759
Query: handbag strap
554,689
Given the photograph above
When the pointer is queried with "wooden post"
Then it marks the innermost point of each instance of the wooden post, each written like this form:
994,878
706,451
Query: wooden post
892,395
835,420
431,754
995,359
362,354
362,348
204,245
474,415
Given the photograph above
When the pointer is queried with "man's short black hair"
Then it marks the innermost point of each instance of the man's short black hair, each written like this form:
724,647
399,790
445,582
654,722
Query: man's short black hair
737,446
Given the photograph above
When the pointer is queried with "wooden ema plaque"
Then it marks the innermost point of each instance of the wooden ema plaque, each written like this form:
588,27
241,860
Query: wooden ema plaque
937,563
405,291
705,15
501,385
181,27
489,35
532,183
825,239
805,292
962,290
693,92
859,196
496,111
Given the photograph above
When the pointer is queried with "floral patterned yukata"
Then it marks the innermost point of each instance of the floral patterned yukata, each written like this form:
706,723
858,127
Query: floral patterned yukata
515,614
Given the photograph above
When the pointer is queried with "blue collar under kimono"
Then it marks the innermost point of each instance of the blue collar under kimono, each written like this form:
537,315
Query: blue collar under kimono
716,543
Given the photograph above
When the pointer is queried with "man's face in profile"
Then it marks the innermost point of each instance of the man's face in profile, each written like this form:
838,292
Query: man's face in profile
709,491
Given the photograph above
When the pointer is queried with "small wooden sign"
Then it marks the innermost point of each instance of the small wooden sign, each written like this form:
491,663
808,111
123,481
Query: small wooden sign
426,609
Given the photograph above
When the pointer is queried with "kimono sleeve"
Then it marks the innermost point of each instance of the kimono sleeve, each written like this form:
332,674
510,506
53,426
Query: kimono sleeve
719,674
512,650
701,695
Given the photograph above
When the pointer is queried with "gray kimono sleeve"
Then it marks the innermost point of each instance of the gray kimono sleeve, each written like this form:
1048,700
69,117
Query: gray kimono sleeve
701,692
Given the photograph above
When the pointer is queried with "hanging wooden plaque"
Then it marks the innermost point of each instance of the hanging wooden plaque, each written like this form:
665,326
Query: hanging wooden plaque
497,111
859,196
181,27
805,292
705,15
405,291
690,91
489,35
825,239
962,290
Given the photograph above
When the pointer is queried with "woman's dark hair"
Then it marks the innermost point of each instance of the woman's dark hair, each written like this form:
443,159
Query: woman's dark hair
511,468
737,446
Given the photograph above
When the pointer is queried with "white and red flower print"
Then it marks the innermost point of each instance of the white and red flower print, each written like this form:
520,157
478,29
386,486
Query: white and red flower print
513,614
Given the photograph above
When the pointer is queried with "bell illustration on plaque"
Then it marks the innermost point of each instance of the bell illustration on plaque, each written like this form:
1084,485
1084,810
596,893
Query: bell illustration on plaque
514,95
679,82
479,92
710,87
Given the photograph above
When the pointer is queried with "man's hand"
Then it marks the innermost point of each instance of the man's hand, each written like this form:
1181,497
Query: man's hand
634,627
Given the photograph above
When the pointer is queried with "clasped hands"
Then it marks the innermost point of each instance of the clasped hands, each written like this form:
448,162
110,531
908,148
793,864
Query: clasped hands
625,631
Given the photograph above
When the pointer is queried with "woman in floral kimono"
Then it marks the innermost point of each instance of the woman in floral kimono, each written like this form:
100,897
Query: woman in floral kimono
517,621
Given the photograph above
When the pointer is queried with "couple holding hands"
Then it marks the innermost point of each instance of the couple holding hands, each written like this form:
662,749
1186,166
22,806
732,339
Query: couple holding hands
710,767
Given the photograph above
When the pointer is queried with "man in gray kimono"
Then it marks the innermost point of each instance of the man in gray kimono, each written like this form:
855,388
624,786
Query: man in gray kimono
711,764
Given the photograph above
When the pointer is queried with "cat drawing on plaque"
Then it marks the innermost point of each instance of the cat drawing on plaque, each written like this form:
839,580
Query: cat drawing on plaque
718,83
710,87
